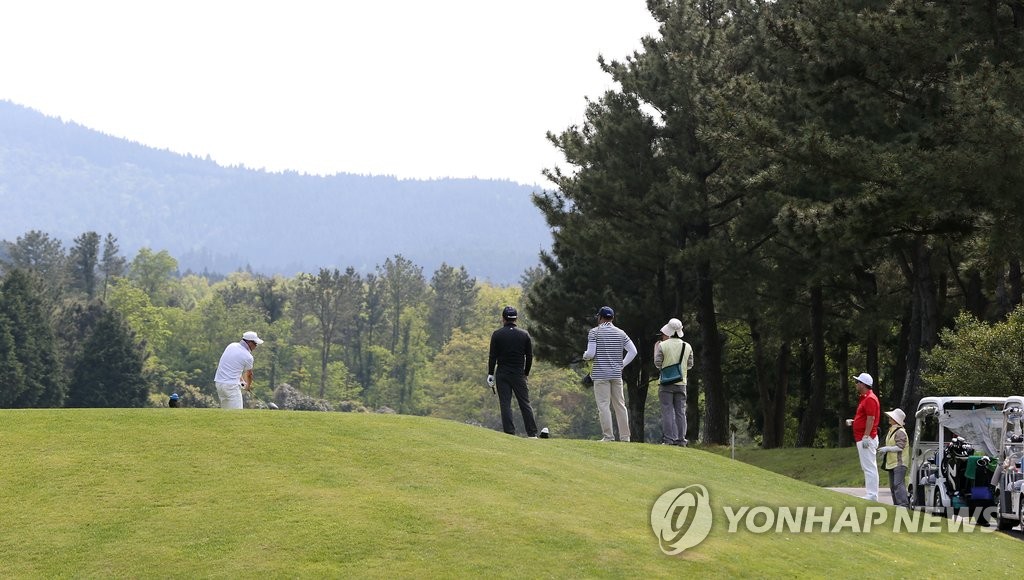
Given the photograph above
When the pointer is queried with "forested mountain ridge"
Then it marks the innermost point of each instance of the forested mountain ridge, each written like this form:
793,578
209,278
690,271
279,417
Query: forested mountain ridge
65,179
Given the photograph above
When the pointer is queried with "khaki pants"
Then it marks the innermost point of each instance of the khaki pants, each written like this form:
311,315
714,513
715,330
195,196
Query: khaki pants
608,393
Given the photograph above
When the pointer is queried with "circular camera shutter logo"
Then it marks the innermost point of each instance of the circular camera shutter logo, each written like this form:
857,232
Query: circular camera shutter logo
681,518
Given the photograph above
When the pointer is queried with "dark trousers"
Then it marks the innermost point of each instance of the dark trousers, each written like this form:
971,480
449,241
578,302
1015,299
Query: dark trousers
673,414
898,486
509,384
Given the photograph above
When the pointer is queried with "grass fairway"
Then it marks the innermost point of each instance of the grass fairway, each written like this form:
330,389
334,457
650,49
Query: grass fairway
217,494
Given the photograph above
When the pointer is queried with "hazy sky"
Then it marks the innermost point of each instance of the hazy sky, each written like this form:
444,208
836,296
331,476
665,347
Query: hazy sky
417,89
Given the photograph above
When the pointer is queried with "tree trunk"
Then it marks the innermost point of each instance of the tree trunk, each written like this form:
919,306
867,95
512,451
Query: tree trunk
816,402
693,413
772,401
716,395
846,409
636,399
924,321
900,360
975,301
1014,288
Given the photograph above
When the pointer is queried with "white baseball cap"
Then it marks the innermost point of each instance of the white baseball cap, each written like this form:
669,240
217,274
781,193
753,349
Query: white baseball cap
864,378
251,335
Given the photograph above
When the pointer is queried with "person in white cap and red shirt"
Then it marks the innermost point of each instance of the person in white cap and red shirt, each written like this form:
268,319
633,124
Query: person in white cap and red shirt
234,372
865,433
896,457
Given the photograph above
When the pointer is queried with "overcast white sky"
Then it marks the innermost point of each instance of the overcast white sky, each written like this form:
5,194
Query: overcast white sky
415,89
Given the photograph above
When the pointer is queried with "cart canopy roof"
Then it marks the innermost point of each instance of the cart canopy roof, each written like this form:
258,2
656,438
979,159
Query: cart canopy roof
979,420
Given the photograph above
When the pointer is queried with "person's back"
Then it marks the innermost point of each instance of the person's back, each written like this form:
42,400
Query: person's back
610,343
508,365
511,350
605,346
233,362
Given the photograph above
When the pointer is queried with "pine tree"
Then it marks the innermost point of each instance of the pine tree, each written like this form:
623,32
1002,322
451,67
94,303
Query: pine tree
333,300
83,262
454,293
112,265
12,377
109,370
23,304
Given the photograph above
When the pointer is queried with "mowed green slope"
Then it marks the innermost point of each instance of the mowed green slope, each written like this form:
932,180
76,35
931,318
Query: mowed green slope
212,493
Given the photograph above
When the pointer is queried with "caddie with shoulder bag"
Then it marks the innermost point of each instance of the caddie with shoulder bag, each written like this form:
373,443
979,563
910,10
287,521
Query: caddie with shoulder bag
673,357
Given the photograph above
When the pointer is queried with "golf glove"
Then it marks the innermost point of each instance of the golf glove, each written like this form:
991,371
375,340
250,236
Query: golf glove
490,381
865,442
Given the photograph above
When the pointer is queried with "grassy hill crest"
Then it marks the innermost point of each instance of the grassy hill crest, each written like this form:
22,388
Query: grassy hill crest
209,493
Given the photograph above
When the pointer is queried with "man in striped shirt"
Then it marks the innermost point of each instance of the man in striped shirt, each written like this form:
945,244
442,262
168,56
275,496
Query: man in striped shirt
606,344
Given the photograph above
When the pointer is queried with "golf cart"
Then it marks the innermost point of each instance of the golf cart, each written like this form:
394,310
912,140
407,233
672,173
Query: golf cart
951,460
1008,479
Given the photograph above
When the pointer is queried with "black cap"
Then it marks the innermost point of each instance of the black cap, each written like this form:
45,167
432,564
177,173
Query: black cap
509,313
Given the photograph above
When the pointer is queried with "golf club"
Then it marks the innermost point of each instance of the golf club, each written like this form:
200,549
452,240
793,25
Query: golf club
270,406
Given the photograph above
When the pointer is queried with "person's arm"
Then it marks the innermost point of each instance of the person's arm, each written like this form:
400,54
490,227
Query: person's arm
630,352
247,379
901,442
492,356
901,439
492,359
591,349
689,355
659,356
529,356
867,431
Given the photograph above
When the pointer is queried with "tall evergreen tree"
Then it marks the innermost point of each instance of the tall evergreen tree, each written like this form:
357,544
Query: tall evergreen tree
404,288
333,299
22,304
454,293
368,330
404,299
647,217
37,252
83,263
112,265
12,376
892,107
108,371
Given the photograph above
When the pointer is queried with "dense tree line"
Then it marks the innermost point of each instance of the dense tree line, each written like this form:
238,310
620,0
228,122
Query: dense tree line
85,327
815,187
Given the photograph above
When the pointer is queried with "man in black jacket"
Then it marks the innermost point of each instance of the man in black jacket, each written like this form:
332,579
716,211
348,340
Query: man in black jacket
512,353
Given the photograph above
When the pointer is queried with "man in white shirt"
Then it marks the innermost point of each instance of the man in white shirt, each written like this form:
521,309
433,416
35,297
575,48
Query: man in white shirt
234,372
605,345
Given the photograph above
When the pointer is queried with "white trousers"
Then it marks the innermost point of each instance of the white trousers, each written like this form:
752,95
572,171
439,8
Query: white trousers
608,393
230,395
870,466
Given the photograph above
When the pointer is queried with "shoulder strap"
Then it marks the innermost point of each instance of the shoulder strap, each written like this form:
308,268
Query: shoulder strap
682,356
